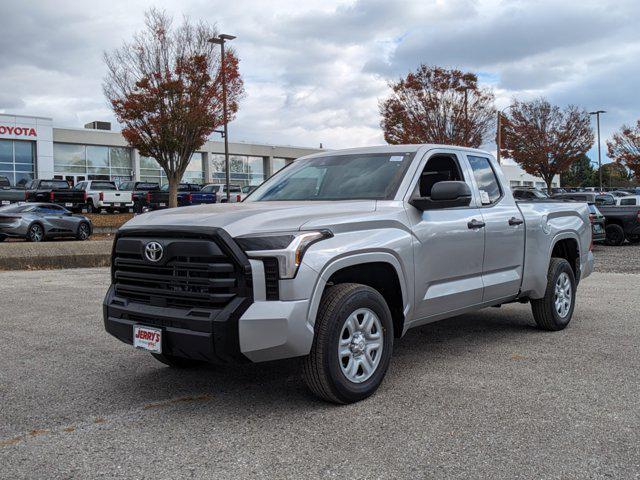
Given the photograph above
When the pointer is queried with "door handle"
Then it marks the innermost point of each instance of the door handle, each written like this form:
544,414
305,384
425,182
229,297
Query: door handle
475,224
515,221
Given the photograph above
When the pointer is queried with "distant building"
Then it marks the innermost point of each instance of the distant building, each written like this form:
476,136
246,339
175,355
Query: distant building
31,147
517,177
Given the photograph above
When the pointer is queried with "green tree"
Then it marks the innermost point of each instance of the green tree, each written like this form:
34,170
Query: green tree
579,174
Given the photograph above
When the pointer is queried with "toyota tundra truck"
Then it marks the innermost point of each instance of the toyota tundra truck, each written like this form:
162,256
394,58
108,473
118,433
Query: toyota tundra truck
338,255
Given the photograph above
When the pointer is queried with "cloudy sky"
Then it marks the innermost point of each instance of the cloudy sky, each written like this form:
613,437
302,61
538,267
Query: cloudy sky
314,70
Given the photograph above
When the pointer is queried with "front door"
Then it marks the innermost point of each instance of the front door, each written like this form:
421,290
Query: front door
448,245
504,233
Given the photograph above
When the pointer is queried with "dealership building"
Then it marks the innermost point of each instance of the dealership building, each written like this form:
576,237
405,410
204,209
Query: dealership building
31,147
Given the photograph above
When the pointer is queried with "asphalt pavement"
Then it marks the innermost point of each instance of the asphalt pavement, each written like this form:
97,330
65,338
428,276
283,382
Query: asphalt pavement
479,396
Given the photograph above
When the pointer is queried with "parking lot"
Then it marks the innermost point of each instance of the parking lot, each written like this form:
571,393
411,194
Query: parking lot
479,396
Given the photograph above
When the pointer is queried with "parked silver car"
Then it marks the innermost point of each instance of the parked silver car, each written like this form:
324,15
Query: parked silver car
37,222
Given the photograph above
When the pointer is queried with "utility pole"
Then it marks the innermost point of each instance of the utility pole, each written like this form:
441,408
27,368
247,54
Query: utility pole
597,114
220,40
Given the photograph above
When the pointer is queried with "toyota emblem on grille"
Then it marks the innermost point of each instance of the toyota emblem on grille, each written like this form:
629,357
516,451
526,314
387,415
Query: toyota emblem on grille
153,251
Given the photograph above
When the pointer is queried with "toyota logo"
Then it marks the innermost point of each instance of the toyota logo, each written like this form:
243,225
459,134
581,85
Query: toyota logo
153,251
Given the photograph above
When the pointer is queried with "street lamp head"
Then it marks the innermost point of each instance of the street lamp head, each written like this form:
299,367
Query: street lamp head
597,112
224,36
217,41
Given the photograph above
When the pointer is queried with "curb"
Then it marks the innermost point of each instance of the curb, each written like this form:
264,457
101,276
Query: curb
55,255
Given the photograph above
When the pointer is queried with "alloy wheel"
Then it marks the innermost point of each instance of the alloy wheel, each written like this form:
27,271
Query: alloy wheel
360,345
563,295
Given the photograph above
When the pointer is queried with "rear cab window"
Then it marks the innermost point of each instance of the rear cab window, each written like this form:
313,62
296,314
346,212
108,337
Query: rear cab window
486,179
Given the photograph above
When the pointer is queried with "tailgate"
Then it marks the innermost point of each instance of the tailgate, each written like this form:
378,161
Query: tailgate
116,197
68,196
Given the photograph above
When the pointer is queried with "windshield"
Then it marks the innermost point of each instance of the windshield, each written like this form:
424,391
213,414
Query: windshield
103,186
374,176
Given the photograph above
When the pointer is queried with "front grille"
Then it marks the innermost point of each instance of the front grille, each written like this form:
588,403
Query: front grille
194,273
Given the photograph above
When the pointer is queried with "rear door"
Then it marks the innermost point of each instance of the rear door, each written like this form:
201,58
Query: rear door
504,231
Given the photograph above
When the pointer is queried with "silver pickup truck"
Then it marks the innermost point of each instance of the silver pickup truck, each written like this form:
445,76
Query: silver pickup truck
337,255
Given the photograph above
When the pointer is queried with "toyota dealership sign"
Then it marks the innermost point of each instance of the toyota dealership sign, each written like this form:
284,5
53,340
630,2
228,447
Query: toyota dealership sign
18,131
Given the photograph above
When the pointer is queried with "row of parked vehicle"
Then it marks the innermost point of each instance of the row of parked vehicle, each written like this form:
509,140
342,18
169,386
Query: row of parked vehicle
615,216
100,195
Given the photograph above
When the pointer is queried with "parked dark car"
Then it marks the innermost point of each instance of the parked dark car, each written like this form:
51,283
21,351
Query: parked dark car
620,221
37,222
521,193
139,192
188,194
58,192
4,182
598,224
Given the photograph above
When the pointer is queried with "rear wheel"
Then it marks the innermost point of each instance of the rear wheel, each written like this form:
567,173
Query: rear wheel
352,344
176,362
615,235
84,232
35,233
555,309
91,207
633,238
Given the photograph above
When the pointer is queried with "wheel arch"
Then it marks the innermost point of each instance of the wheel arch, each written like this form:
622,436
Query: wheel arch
379,270
567,246
37,222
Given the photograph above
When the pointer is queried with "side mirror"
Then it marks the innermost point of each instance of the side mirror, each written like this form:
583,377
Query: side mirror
444,195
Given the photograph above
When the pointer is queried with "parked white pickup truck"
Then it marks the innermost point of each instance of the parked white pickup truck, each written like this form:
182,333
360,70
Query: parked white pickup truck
102,194
339,254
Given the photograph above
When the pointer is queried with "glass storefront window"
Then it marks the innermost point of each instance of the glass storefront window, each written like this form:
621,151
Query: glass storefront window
68,154
6,151
98,161
97,157
277,164
17,161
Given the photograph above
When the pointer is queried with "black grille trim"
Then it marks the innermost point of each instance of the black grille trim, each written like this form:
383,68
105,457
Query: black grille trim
210,282
271,278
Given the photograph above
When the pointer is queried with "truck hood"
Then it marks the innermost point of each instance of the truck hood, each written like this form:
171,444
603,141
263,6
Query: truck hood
253,217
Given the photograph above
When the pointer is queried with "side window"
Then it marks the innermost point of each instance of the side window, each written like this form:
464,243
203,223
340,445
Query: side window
486,179
628,201
439,168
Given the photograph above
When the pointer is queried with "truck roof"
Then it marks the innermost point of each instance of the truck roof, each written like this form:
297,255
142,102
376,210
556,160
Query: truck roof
408,148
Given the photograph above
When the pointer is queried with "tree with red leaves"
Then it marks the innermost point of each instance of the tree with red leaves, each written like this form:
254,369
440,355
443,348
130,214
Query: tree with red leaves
624,148
437,105
165,88
543,139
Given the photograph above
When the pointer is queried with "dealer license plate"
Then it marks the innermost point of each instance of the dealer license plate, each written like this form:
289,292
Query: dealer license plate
117,204
163,204
68,204
6,202
147,338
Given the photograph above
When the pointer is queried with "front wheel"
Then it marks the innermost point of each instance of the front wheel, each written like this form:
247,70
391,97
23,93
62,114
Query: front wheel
35,233
555,309
84,232
352,345
633,238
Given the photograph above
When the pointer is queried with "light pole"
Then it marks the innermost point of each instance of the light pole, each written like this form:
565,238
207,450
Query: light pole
499,132
597,114
220,40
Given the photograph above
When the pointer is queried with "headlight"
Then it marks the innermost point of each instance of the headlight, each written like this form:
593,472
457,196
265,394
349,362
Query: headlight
287,247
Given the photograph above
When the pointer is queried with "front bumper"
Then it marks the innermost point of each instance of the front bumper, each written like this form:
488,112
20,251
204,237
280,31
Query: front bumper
248,328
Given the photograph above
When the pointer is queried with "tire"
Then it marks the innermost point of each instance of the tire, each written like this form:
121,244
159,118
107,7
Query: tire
324,370
633,238
176,362
91,207
2,239
35,233
551,312
615,235
84,231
